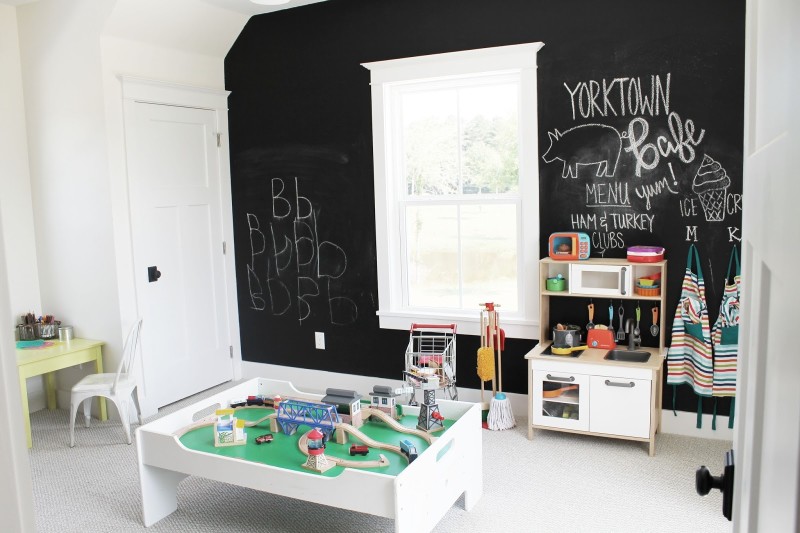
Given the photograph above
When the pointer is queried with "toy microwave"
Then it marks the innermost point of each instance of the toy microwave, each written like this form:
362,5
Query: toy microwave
569,246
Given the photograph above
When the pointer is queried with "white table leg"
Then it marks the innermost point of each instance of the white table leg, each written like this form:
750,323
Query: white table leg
159,492
473,494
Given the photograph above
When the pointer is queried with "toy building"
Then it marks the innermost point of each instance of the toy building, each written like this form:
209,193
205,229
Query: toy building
228,430
384,398
316,459
348,405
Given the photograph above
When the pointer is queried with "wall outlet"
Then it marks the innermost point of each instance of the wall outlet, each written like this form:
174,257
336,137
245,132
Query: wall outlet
319,340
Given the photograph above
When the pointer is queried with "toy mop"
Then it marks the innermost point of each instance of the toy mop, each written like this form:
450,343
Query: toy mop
500,415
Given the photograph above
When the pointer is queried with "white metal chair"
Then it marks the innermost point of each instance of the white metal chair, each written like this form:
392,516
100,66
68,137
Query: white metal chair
119,387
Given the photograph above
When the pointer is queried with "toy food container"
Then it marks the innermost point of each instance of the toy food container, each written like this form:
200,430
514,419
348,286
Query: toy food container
645,254
556,284
566,336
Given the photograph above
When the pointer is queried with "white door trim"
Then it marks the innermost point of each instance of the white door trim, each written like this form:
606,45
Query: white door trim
157,92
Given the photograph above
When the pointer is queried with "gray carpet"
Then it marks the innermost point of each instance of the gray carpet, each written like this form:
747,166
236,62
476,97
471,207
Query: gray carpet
557,482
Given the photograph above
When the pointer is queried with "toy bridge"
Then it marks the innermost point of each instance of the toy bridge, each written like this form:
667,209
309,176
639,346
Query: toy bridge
292,413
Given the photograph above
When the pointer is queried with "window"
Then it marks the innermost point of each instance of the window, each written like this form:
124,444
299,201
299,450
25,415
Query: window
456,187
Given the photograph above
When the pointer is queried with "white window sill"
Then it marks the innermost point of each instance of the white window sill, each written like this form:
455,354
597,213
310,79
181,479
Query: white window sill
465,324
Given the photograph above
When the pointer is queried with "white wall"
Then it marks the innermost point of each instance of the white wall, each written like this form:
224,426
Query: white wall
17,211
16,490
61,76
71,55
15,202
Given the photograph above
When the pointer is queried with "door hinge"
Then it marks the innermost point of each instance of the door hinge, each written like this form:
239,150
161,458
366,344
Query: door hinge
219,140
224,248
230,349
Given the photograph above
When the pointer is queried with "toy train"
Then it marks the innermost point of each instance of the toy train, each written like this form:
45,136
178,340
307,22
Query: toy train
408,449
258,399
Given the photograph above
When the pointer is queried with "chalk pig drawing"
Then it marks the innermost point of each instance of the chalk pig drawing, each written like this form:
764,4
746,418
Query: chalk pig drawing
587,144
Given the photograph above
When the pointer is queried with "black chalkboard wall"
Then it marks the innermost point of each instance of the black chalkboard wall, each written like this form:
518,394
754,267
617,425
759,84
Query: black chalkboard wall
633,96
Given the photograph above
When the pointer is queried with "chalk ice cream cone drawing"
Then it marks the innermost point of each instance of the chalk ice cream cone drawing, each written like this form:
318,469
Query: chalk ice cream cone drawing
711,184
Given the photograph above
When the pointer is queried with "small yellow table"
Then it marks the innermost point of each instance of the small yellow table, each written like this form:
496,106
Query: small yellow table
38,361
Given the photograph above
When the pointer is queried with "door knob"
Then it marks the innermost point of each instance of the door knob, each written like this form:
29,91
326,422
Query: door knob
704,482
153,274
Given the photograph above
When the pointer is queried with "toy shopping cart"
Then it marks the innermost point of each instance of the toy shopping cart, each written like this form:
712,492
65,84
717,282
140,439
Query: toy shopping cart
431,359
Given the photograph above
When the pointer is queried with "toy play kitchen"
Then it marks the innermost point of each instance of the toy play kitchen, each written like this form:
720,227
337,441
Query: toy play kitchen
607,380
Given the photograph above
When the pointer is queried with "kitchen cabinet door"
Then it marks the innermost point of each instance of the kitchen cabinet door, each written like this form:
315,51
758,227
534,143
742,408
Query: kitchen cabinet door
620,406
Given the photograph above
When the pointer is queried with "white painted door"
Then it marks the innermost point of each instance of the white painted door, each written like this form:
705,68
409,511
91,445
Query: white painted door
767,433
174,172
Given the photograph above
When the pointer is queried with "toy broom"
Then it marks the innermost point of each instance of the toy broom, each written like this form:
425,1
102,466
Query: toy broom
500,415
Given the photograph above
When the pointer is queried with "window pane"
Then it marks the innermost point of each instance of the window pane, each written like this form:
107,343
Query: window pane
430,141
488,256
490,131
432,247
489,243
464,138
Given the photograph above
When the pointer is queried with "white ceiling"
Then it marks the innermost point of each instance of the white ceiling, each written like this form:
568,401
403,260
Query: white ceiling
246,7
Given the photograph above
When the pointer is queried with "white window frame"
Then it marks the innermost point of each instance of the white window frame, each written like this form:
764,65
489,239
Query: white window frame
520,59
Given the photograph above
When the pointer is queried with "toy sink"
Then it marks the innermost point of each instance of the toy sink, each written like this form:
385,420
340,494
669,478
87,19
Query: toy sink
628,356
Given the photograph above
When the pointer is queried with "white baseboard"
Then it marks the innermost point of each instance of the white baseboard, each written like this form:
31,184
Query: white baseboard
317,381
686,424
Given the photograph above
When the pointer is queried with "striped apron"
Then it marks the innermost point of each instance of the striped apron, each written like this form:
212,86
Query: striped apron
689,358
725,335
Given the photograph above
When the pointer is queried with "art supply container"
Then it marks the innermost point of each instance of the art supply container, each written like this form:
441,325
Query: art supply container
65,333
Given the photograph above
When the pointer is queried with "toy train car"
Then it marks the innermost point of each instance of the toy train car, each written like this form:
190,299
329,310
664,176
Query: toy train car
358,449
268,437
408,449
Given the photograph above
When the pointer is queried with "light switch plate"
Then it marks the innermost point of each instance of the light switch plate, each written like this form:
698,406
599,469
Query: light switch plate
319,340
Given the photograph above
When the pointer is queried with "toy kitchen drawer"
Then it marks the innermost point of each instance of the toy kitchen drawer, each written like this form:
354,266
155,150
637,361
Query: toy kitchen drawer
595,279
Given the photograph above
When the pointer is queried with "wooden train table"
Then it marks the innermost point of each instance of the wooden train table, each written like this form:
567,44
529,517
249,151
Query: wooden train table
448,465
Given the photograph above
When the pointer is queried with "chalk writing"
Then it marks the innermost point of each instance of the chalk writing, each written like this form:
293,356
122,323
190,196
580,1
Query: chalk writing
601,242
628,93
298,266
588,144
734,203
607,194
636,164
647,155
711,184
650,190
688,207
581,221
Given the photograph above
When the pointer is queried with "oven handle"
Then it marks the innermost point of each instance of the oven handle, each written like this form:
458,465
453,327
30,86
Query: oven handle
559,378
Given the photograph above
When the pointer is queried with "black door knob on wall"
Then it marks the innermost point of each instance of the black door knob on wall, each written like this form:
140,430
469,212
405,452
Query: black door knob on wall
153,274
704,482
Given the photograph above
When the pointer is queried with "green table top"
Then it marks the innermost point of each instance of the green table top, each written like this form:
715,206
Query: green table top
283,451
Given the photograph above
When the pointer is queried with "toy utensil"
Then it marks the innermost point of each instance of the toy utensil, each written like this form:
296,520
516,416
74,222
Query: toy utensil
590,325
567,350
636,330
558,392
611,316
654,327
621,332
